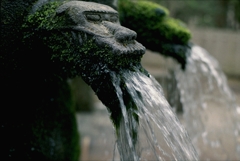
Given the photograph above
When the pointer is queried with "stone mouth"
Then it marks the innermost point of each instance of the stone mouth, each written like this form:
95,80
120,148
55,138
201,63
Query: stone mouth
127,48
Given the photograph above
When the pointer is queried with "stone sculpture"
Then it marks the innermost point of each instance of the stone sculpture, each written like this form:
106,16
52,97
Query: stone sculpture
156,29
55,41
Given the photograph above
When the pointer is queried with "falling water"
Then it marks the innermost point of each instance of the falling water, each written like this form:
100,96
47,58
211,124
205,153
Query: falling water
160,136
211,115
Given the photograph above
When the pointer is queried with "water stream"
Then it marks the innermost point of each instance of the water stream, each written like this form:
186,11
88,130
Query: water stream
211,116
151,131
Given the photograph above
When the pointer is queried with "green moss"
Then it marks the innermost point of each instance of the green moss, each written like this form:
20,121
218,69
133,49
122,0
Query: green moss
170,30
46,26
154,26
93,63
144,10
44,18
152,21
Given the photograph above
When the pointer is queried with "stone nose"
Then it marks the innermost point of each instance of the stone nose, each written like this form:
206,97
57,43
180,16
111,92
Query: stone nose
121,34
124,35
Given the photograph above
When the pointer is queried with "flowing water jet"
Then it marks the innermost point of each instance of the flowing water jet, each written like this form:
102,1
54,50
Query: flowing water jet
130,112
149,129
211,115
202,86
76,38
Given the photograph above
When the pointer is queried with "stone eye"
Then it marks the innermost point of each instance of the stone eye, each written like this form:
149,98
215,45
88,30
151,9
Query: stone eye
114,18
93,17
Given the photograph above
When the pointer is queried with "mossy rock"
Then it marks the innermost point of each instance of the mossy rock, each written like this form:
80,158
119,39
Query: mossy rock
155,28
40,53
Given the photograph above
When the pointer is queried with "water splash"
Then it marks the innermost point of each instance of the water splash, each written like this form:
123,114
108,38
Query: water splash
156,133
211,115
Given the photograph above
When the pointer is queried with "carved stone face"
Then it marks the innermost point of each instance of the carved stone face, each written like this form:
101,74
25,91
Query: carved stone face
102,23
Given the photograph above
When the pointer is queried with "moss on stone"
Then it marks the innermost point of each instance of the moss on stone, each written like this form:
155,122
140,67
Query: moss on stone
88,60
141,10
155,28
42,123
146,17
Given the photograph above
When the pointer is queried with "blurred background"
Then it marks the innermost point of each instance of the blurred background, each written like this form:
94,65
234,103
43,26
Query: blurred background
221,14
215,26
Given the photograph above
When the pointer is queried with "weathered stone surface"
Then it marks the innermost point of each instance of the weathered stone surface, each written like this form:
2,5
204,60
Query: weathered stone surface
111,3
43,44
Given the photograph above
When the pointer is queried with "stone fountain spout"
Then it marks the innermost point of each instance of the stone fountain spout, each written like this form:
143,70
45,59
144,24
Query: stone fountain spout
166,35
113,48
58,40
55,41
